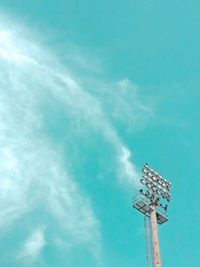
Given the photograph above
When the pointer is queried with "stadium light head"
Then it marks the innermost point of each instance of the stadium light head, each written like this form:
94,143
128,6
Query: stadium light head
157,186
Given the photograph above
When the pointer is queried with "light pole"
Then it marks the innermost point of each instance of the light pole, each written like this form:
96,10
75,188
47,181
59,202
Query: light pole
149,203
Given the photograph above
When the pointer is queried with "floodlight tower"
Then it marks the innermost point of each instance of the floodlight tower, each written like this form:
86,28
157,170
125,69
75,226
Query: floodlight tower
149,203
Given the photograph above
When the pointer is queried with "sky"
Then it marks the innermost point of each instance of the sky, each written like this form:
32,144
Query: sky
89,92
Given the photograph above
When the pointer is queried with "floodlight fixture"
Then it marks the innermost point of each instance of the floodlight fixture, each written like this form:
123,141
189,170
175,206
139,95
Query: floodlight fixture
144,170
148,191
149,186
146,165
143,181
158,190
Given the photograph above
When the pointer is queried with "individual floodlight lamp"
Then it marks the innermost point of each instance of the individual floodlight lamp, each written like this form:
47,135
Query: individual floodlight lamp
154,178
143,181
148,192
149,186
144,171
146,165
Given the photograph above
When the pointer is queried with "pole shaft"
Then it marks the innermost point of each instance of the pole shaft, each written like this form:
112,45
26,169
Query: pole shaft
155,238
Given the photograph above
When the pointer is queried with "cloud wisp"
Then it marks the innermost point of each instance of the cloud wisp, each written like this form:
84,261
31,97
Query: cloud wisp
34,86
33,245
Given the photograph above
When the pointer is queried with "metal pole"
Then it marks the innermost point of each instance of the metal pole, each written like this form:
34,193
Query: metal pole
155,238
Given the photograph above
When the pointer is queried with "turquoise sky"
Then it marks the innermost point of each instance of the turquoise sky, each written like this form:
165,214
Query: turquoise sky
89,92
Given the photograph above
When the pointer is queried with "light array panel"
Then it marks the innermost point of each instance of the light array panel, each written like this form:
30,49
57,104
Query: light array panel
156,183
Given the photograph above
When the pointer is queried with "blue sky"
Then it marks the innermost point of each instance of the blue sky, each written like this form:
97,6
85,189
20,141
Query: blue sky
89,92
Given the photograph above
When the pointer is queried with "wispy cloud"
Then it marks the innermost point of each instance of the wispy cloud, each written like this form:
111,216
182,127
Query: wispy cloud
33,245
127,170
33,170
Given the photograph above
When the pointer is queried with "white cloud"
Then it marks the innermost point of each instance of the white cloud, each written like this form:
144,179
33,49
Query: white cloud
32,169
33,245
128,171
